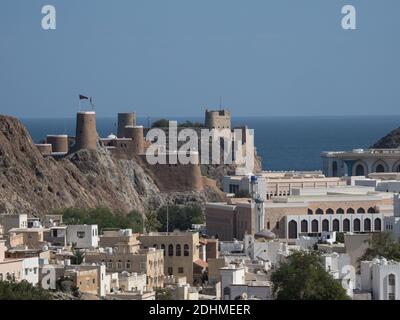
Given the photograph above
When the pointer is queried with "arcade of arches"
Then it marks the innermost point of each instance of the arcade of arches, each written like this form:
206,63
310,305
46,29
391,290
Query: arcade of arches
315,226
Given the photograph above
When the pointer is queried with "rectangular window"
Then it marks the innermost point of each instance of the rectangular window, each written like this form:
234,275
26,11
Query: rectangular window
170,271
128,265
119,265
391,296
80,234
180,270
109,265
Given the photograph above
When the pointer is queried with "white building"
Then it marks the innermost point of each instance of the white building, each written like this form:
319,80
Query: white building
339,266
234,285
83,236
381,277
360,162
132,281
30,270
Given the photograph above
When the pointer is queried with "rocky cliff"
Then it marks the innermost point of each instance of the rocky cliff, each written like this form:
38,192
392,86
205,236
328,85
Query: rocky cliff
30,183
390,141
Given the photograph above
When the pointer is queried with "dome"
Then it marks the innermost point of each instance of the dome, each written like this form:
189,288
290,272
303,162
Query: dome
112,136
265,234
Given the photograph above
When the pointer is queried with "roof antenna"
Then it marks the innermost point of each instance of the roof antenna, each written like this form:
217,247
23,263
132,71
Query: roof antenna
220,102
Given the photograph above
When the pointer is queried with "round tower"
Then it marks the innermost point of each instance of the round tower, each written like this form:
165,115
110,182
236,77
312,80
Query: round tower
44,149
86,134
59,143
125,119
136,134
217,119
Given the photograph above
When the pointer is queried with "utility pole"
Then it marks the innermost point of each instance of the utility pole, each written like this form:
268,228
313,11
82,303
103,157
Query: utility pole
167,222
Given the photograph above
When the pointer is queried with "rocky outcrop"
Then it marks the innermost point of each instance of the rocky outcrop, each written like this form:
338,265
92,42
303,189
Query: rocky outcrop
31,183
390,141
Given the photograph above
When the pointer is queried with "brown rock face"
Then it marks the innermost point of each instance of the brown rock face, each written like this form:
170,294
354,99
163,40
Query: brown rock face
30,183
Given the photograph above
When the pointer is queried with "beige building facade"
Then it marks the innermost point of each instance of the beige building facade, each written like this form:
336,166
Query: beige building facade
180,250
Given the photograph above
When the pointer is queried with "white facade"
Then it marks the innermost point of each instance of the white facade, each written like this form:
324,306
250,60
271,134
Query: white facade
231,246
234,184
132,281
233,285
360,162
267,251
339,266
306,224
30,270
381,277
83,236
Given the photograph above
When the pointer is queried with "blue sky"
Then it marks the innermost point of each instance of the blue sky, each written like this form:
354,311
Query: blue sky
177,57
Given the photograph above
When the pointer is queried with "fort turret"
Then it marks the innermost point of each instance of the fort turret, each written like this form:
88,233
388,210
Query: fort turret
59,143
125,119
136,134
218,119
86,133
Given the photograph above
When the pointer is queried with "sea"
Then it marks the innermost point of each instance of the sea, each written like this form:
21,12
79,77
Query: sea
284,143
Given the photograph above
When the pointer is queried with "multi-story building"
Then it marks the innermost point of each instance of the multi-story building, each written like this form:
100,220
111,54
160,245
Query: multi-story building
272,184
181,252
360,162
307,212
83,236
234,285
121,252
382,278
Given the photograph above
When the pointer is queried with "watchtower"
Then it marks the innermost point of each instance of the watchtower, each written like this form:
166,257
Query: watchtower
125,119
86,134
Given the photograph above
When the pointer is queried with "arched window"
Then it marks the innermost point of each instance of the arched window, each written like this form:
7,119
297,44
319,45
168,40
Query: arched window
329,211
304,226
340,211
227,293
314,226
346,225
292,229
360,210
392,280
155,246
319,211
170,250
350,210
163,248
367,225
371,210
334,169
398,168
335,225
360,170
325,225
380,168
186,250
357,225
178,251
377,224
309,211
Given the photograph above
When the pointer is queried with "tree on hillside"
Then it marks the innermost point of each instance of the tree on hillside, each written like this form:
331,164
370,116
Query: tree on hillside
302,277
152,223
179,217
384,245
104,218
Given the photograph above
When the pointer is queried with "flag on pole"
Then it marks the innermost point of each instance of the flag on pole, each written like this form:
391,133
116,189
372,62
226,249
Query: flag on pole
81,97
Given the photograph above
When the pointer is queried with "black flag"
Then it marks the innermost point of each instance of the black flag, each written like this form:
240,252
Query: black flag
81,97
